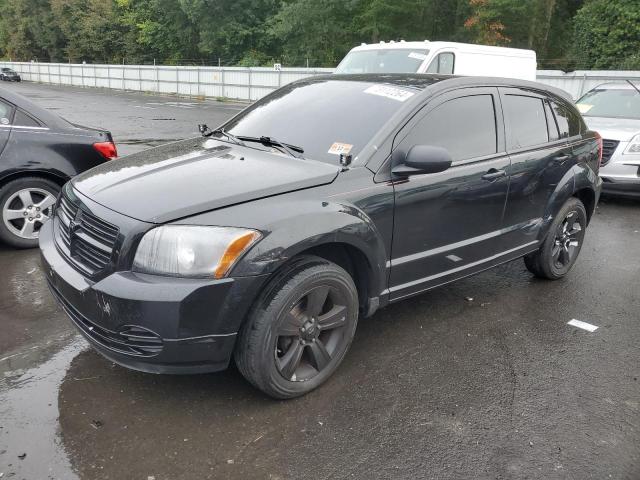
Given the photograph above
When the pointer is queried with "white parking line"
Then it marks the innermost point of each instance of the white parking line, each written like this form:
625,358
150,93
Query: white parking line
583,325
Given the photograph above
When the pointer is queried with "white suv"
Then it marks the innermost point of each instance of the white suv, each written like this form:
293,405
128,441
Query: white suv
613,110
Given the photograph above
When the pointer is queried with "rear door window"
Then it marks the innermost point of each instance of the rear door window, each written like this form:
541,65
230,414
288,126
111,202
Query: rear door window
465,126
526,121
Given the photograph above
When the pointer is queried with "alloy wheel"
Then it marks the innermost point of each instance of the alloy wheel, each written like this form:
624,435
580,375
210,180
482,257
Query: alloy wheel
567,240
27,210
310,334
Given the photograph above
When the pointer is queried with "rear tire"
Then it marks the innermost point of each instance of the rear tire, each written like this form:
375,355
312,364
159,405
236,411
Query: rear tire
300,329
563,243
25,205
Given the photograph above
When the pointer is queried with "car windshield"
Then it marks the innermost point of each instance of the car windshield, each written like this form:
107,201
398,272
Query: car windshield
7,70
400,60
324,117
613,103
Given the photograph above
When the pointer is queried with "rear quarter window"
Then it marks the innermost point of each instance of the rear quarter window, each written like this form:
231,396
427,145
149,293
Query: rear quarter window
23,120
570,122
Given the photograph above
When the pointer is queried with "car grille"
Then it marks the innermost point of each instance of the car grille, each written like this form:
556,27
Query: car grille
131,340
86,240
608,147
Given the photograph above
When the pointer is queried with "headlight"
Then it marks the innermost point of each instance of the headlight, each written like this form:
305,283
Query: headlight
634,146
192,251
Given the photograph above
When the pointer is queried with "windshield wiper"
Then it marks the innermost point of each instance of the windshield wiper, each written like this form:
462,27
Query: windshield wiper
292,150
230,136
207,132
635,88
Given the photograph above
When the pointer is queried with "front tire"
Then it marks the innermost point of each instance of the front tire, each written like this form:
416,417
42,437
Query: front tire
563,243
300,329
25,205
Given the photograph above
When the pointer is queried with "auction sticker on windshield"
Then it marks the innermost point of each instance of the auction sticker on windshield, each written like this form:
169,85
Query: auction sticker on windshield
340,148
417,56
584,107
388,91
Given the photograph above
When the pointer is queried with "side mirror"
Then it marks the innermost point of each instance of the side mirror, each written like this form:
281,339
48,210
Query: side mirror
420,159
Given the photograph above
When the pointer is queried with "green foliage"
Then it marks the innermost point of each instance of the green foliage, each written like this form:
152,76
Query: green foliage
607,34
564,33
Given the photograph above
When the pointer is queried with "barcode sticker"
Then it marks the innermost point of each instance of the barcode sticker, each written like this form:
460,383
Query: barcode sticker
388,91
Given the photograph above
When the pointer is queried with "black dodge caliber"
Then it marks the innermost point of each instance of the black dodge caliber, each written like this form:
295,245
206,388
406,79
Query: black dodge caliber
266,239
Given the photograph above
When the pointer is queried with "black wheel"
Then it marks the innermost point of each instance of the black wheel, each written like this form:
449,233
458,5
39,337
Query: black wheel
560,249
26,204
299,332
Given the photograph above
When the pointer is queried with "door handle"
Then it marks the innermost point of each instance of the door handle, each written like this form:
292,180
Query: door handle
561,158
492,174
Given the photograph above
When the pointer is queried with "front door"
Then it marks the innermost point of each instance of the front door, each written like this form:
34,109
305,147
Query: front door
448,224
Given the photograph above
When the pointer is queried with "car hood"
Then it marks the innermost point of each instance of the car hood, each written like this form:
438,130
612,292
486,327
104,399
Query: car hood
621,129
192,176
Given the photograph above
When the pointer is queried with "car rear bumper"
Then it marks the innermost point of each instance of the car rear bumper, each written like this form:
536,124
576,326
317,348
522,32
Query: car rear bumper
152,323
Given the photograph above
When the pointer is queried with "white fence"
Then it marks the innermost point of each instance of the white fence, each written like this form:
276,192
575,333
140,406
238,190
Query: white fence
581,81
237,82
228,82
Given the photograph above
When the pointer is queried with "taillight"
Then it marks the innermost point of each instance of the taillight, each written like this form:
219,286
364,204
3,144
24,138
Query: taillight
106,149
600,148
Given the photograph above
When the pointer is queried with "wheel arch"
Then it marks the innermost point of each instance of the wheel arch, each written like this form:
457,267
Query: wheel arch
588,198
355,262
59,180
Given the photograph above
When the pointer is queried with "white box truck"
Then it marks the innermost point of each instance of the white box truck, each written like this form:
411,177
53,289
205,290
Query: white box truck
440,57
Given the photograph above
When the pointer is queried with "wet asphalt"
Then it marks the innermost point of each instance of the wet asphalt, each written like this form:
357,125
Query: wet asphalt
478,379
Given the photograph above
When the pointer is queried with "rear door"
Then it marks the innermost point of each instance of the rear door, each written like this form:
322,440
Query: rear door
448,224
540,158
6,120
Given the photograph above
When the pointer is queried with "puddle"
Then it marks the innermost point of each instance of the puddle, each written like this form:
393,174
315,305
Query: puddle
29,415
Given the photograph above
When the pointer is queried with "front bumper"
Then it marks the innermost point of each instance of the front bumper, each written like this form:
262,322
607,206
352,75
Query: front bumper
619,188
621,174
152,323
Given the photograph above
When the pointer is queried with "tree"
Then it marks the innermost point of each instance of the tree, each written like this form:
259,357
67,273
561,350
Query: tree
158,30
607,34
92,29
229,29
320,30
28,31
506,22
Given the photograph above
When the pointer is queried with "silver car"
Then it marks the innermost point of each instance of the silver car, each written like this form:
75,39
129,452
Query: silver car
613,110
